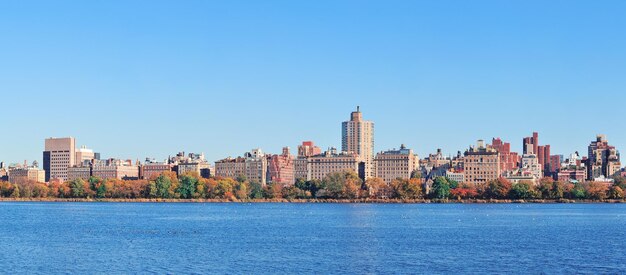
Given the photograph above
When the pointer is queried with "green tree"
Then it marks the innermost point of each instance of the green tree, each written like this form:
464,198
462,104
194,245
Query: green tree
578,192
187,186
163,184
523,190
77,188
440,188
96,185
256,190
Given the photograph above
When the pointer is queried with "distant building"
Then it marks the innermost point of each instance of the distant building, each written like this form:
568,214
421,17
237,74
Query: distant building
151,169
456,176
393,164
115,168
482,164
85,155
319,166
79,172
555,163
4,173
530,144
280,168
572,174
603,160
25,173
509,161
202,169
191,163
358,138
531,166
308,149
59,154
253,166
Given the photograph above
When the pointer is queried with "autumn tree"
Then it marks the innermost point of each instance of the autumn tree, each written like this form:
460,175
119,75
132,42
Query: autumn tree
407,188
596,190
378,188
498,189
343,184
464,191
616,192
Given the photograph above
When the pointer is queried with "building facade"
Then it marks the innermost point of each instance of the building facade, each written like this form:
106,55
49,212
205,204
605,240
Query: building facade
115,168
253,166
481,164
25,173
393,164
319,166
280,168
603,159
152,169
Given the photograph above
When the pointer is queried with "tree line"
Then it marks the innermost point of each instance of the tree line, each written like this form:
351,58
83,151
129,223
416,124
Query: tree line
336,186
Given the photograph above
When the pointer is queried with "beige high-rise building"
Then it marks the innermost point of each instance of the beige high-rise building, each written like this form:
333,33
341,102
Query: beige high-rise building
58,156
393,164
481,164
358,137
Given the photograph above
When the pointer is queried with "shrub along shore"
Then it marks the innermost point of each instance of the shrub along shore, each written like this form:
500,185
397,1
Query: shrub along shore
341,187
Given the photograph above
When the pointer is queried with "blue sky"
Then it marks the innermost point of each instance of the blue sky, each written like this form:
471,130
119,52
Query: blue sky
136,79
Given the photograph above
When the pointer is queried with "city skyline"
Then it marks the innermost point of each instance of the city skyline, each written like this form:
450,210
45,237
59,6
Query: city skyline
522,142
135,80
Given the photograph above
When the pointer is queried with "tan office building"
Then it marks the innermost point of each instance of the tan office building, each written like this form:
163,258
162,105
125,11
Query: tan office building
393,164
58,156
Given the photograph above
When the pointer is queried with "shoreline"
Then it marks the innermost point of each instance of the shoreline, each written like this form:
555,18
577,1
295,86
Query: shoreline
335,201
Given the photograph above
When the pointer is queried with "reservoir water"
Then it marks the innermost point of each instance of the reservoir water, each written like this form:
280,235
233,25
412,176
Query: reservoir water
87,238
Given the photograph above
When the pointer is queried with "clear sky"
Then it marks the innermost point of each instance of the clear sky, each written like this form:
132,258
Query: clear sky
136,79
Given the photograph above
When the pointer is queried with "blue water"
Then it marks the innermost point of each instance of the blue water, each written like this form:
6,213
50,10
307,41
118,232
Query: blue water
311,238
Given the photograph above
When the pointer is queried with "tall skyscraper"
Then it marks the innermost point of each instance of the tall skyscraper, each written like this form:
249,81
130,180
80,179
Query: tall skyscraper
59,154
358,138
